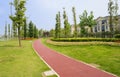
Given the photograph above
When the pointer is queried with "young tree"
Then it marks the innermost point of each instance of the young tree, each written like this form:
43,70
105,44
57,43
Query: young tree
116,18
83,22
40,33
9,31
35,32
6,31
19,16
31,30
86,20
75,22
25,28
52,33
110,11
66,24
57,26
91,22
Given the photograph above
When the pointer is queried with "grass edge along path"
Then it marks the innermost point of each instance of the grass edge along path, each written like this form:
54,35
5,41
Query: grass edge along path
92,55
60,43
56,75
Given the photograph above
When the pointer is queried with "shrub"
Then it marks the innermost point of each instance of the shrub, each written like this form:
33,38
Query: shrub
117,36
85,39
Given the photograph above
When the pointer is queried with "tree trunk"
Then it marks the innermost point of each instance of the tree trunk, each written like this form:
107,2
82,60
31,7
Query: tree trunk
19,37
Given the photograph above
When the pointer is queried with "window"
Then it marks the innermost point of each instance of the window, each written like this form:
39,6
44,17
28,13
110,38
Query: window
106,27
95,29
103,21
103,28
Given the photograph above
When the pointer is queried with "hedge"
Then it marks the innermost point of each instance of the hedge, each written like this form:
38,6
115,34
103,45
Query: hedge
117,36
85,39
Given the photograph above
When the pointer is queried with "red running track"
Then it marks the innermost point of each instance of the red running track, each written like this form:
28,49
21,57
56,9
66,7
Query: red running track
65,66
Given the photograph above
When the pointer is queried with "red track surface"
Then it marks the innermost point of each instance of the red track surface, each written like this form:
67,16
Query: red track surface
64,66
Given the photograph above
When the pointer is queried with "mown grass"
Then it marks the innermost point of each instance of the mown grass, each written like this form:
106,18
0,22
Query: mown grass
103,56
20,61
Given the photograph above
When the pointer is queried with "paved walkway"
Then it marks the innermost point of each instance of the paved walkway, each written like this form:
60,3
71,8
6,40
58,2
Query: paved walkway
64,66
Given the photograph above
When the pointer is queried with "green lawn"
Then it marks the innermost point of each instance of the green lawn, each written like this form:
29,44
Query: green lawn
103,56
20,61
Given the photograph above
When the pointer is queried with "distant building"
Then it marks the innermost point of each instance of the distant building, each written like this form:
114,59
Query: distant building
103,25
73,29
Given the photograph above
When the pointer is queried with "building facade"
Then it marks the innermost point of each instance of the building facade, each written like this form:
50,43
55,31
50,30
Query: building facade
104,26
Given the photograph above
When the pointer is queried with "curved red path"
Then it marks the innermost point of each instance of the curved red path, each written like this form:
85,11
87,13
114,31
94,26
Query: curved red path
64,66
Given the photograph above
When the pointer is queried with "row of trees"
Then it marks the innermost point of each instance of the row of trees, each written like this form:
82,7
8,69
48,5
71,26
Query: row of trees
86,20
27,31
65,32
20,28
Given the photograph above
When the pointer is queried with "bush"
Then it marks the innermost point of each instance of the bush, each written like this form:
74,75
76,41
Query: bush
117,36
85,39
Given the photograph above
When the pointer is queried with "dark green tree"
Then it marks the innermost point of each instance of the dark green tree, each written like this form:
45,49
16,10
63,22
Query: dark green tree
35,32
25,28
75,22
30,32
19,16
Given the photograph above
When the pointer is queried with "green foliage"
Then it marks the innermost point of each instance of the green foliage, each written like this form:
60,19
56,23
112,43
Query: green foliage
52,33
117,36
111,11
85,39
86,20
9,31
75,22
31,28
14,29
35,32
19,16
40,33
5,31
66,25
58,26
25,28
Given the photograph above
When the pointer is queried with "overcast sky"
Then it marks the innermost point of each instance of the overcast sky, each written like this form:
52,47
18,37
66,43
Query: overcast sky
43,12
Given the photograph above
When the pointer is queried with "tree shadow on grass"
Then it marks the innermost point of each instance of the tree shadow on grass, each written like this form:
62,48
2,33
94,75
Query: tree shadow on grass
9,46
6,59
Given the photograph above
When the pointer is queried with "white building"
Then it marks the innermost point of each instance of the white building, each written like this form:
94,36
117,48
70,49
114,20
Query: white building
103,25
